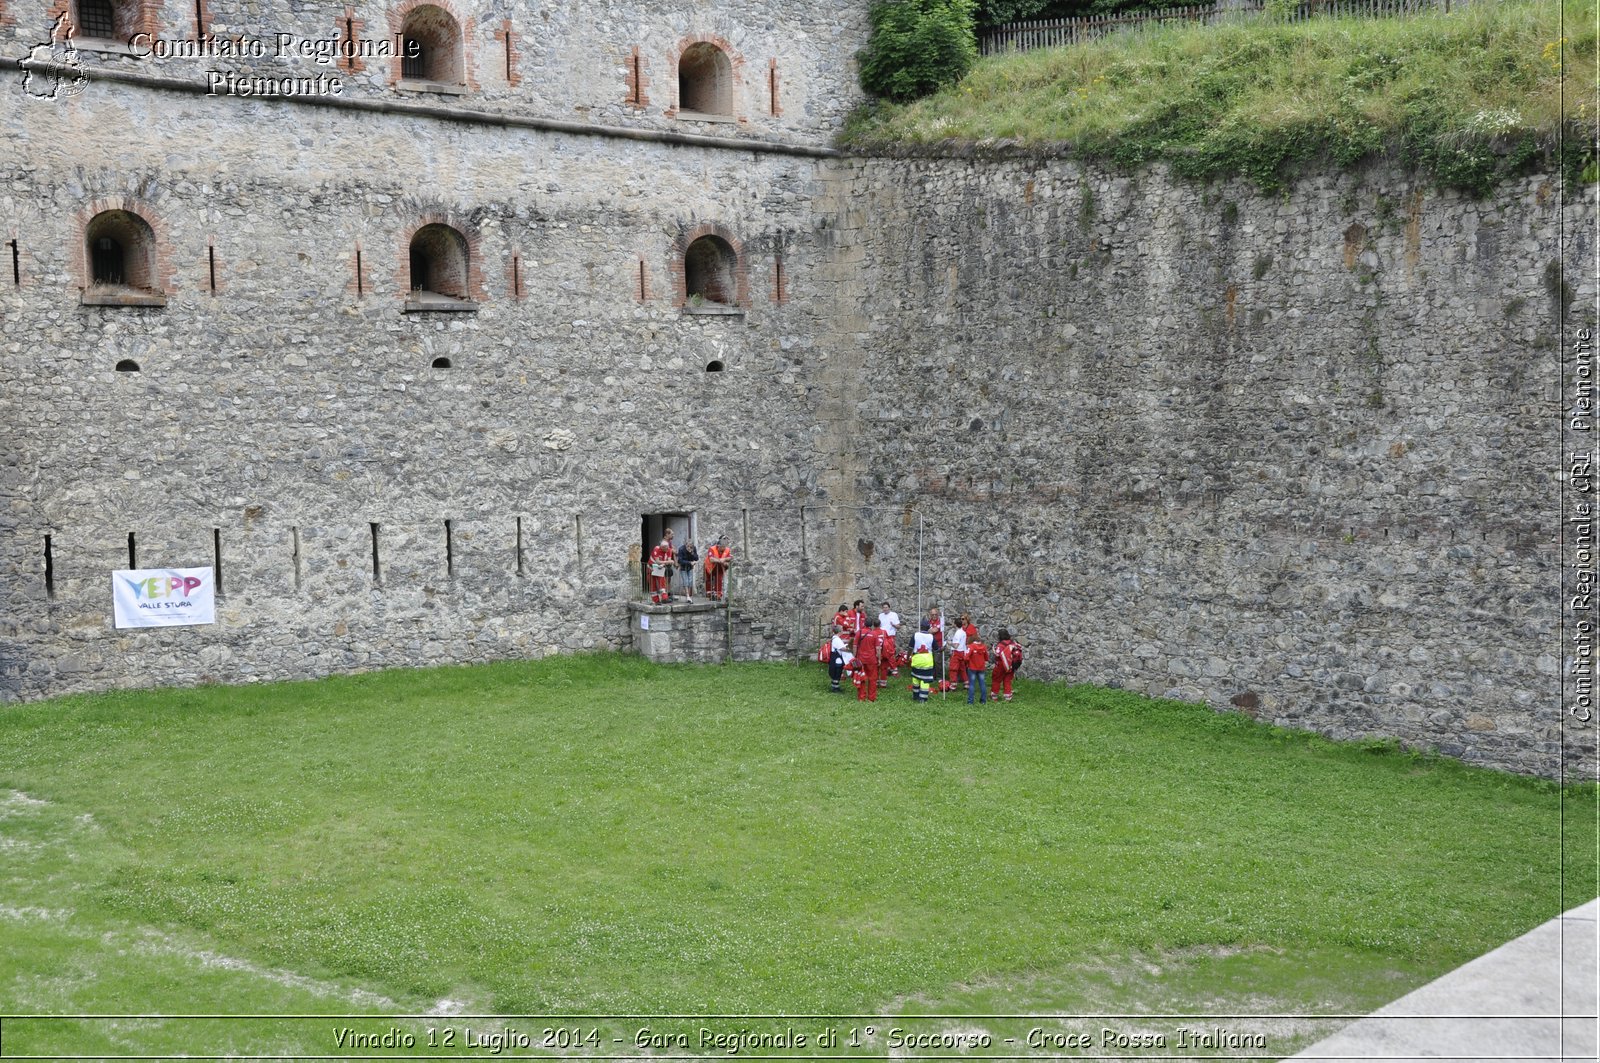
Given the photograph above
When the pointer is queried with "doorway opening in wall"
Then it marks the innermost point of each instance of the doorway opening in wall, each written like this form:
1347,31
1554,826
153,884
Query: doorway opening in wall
653,527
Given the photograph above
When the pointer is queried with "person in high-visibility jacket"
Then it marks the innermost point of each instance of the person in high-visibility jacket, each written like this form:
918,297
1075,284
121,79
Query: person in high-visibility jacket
922,674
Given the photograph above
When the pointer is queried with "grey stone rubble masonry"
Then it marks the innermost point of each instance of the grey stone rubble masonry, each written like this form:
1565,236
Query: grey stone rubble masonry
700,633
1292,453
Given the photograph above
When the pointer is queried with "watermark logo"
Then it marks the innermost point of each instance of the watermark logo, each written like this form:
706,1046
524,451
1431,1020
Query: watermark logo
53,70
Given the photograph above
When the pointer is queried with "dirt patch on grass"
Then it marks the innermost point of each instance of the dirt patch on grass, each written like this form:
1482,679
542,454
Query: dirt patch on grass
1229,1000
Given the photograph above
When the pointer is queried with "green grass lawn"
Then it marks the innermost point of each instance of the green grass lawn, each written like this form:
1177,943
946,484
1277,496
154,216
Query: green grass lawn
601,835
1469,97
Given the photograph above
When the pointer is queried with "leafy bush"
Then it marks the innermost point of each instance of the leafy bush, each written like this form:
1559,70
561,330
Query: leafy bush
918,47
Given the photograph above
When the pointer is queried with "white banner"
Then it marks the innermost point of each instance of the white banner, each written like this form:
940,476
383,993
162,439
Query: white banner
163,597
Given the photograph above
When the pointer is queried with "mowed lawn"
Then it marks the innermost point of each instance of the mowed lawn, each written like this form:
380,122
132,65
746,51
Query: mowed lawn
598,834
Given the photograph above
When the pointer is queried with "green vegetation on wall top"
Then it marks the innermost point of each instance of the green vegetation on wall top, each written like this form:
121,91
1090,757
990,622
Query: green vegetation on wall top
918,47
1470,97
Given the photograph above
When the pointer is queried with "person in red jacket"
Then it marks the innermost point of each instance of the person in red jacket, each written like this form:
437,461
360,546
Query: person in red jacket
1007,656
869,650
662,560
977,669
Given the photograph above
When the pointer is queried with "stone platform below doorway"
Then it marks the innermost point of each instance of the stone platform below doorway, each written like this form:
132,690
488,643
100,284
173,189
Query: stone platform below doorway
700,633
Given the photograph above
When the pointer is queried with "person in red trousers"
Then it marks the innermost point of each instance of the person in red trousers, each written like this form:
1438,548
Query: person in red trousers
1007,658
958,653
662,560
869,652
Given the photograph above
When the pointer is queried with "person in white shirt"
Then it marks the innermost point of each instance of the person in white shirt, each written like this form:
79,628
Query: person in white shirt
922,640
838,657
956,639
889,620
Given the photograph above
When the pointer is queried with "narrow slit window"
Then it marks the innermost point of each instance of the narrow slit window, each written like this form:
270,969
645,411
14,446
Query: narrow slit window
49,569
133,551
519,546
516,276
508,54
216,559
16,265
449,551
211,263
641,281
199,19
360,289
779,295
294,554
636,97
772,86
377,566
350,43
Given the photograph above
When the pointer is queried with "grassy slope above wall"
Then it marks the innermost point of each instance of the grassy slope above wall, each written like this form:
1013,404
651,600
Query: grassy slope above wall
1470,97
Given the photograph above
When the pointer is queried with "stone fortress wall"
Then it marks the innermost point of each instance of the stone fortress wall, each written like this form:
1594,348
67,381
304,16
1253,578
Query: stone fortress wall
1299,455
1291,454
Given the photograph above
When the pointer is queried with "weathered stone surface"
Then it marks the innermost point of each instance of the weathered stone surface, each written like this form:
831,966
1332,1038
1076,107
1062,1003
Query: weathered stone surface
1076,395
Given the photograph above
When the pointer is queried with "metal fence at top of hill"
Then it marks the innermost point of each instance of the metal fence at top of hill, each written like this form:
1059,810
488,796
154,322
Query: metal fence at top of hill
1060,32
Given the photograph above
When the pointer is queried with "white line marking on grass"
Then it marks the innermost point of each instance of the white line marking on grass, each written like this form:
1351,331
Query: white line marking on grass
155,943
33,915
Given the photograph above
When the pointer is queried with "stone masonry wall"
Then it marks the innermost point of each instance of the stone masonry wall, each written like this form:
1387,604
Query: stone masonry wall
1291,454
1295,455
292,409
608,62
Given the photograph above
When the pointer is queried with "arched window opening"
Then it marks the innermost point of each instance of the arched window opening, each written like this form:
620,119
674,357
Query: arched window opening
440,271
441,363
714,367
710,272
127,365
121,250
705,80
431,47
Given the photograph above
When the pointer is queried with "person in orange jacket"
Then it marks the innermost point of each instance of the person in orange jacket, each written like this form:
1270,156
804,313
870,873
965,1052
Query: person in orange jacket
1007,658
718,558
977,669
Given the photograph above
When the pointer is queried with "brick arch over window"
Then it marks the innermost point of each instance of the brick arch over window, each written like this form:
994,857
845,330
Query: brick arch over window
433,32
710,263
709,77
440,261
119,251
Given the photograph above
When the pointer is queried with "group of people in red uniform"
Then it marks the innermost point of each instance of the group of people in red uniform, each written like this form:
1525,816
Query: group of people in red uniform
665,563
866,650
